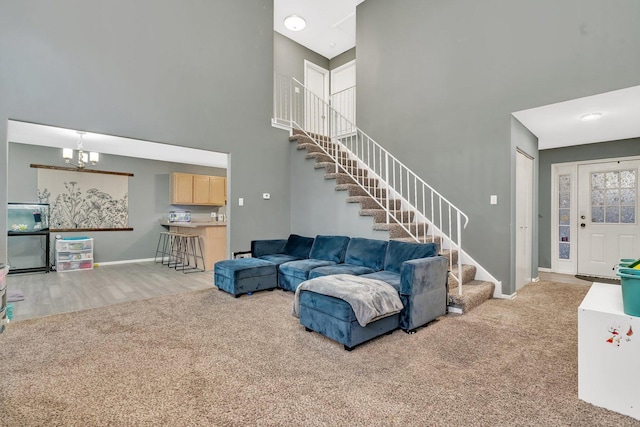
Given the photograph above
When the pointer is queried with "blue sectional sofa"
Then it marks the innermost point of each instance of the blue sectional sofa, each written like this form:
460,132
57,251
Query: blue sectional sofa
414,270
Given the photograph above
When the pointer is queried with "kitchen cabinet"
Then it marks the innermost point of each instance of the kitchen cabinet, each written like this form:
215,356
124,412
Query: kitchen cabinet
191,189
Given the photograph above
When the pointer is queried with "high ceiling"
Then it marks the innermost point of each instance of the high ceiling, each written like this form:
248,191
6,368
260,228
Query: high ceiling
331,30
331,24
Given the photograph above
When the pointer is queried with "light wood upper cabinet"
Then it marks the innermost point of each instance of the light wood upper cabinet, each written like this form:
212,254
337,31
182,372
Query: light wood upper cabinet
217,190
190,189
201,190
181,188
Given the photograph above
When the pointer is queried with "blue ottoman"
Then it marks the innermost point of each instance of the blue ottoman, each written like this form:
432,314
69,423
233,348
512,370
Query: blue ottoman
244,275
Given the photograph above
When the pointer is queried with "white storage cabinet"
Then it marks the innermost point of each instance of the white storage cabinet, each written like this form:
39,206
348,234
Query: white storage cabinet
74,255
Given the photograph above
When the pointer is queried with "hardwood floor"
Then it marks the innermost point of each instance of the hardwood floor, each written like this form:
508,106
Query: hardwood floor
53,293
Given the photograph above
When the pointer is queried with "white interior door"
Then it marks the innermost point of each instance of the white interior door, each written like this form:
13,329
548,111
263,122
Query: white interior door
343,97
607,216
524,218
316,80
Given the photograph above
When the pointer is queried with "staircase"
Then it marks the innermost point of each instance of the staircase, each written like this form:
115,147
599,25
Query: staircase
398,201
474,292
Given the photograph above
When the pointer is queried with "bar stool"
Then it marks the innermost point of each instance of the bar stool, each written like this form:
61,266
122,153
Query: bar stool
164,243
190,249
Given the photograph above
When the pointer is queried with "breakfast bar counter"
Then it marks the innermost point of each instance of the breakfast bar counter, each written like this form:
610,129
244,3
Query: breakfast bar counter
212,236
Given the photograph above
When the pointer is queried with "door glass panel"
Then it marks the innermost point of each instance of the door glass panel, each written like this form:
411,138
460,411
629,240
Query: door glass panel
613,197
628,179
628,214
564,216
597,214
597,180
612,180
628,197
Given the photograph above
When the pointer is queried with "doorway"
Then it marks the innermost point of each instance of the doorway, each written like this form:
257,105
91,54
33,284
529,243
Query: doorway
316,80
607,216
524,218
343,98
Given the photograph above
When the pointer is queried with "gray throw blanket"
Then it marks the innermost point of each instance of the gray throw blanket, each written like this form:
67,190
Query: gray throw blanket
370,299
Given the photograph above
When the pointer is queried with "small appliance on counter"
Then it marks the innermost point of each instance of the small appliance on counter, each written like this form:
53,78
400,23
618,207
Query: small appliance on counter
180,216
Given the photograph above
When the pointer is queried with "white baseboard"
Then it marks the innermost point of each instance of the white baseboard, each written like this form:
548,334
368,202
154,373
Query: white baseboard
545,270
455,310
535,279
125,261
507,296
280,125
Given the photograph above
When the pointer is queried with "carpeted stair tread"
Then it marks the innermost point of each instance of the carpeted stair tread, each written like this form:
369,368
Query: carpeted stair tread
356,190
330,167
450,254
398,230
468,274
367,202
474,293
380,215
343,178
423,239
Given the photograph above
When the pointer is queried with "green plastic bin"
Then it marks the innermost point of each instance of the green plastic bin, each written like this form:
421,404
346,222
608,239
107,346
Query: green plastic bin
630,293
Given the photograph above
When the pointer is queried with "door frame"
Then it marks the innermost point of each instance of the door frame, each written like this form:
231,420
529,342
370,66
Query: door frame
528,261
570,168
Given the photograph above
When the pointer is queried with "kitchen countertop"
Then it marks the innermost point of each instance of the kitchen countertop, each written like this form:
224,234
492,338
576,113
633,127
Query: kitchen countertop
192,224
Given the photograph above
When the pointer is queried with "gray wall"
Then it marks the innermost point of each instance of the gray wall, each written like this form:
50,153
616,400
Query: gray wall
148,197
289,57
438,81
342,59
603,150
317,208
171,72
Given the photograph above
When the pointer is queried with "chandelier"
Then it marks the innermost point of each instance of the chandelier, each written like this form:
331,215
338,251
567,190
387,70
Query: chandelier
83,156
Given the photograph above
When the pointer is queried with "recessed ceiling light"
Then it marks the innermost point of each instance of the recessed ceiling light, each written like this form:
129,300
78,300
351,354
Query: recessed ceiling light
590,117
294,23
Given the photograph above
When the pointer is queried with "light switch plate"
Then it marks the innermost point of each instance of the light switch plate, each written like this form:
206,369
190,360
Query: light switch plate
241,201
494,199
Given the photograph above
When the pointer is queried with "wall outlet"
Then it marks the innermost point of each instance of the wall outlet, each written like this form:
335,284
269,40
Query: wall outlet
266,196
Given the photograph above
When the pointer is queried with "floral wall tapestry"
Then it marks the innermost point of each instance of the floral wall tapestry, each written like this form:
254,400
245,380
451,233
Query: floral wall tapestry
81,200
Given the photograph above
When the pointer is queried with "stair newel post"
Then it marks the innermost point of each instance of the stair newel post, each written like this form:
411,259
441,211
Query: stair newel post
459,236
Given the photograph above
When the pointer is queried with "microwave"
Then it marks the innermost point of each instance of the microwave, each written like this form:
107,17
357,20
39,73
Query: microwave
179,216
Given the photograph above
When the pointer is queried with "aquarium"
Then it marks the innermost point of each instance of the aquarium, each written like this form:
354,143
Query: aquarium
27,217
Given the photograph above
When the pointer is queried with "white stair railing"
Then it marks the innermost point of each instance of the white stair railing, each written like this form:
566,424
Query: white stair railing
420,210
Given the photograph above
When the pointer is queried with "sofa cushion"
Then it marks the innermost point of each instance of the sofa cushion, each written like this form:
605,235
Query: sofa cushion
366,252
298,246
330,270
386,276
278,259
329,248
399,252
243,268
300,269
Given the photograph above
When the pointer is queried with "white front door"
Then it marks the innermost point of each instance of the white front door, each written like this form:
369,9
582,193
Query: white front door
607,216
316,80
524,218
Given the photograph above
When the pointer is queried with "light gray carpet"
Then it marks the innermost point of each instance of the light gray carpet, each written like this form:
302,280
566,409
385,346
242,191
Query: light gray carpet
205,358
